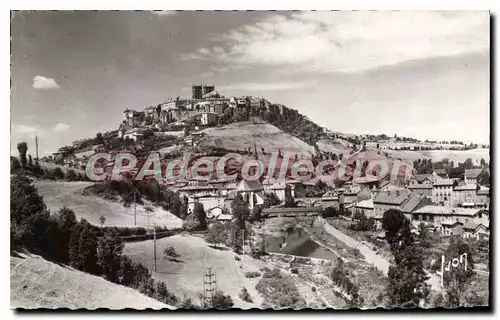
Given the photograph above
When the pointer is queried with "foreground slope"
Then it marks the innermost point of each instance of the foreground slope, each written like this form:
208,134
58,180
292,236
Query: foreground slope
184,274
59,194
38,283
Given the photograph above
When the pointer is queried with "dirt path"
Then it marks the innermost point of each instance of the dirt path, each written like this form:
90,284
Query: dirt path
370,256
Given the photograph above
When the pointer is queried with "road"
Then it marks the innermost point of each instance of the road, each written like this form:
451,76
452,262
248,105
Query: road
370,256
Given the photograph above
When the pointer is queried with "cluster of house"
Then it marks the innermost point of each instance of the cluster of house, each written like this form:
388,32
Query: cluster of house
77,159
447,205
206,106
217,196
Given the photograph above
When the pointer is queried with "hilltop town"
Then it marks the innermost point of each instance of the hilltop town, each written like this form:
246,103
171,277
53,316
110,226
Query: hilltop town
445,189
297,236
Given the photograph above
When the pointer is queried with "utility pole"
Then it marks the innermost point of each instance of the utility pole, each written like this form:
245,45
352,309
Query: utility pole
243,246
154,244
36,146
135,212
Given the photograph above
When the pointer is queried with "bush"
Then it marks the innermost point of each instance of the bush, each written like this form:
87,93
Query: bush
221,301
245,296
295,271
170,252
252,274
279,291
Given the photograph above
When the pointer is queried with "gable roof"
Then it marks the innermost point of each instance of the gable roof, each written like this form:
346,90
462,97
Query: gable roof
421,177
470,226
466,187
472,173
391,197
365,204
450,223
411,203
249,185
451,211
484,191
443,182
420,186
440,171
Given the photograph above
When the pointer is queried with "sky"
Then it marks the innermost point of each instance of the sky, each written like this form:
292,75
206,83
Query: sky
423,74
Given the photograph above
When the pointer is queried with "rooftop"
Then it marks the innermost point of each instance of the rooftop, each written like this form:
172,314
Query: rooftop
391,197
472,173
420,186
443,182
467,187
365,204
452,211
249,185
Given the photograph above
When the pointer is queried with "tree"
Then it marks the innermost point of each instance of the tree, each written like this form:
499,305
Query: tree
14,165
216,234
87,247
407,277
200,214
240,211
37,170
57,173
28,213
66,220
468,164
70,175
22,147
170,252
483,163
423,230
221,301
75,258
110,249
98,139
457,279
30,162
102,219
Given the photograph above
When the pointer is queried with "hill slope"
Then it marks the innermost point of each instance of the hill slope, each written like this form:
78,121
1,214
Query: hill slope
184,275
59,194
38,283
241,135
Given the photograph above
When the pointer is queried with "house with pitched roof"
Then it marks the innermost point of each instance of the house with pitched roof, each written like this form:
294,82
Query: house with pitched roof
252,192
476,231
421,179
471,175
451,228
442,192
483,198
384,201
464,196
422,189
434,214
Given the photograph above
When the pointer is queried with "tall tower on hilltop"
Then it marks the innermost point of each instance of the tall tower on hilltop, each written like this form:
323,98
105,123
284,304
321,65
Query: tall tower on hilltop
201,89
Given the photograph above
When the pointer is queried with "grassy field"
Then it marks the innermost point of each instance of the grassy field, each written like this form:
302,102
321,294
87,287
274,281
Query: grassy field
336,146
59,194
438,155
184,275
241,135
38,283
